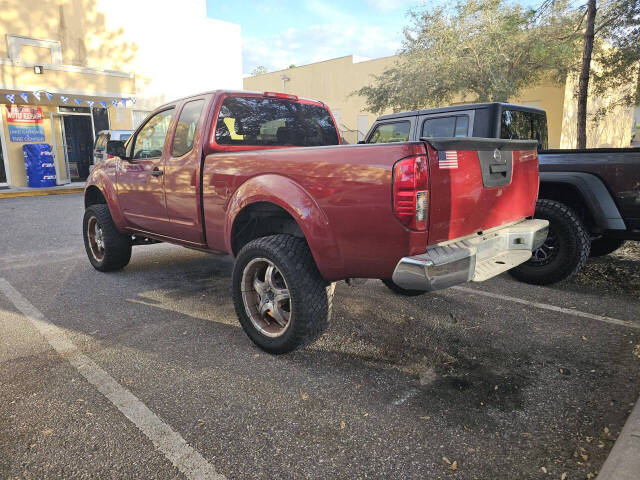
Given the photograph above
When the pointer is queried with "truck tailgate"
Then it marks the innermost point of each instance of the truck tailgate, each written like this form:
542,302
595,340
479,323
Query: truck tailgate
479,184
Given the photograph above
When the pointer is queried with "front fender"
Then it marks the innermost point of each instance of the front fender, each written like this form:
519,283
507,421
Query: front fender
104,180
293,198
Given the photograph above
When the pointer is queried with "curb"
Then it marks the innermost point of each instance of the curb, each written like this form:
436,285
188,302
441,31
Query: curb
623,462
40,193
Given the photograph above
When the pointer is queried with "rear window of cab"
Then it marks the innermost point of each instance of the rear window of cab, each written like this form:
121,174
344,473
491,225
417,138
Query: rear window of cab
256,121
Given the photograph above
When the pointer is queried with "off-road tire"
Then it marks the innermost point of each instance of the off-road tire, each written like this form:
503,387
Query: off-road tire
117,247
604,246
310,295
572,243
391,285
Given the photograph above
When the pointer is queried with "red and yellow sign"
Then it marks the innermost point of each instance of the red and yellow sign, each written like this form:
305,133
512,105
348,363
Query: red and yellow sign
25,124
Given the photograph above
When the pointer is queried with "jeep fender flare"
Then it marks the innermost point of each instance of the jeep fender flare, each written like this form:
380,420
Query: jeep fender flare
293,198
597,198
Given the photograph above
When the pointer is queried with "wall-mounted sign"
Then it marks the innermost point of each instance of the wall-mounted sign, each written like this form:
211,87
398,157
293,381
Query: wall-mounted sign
25,124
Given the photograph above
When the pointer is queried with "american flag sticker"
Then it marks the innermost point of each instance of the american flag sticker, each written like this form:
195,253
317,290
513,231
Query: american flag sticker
448,159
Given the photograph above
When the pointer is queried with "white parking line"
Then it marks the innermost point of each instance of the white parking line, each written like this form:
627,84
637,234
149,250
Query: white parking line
170,443
553,308
40,262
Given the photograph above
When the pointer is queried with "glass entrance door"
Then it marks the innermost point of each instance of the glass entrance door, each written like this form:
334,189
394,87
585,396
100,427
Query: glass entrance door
4,163
78,141
59,150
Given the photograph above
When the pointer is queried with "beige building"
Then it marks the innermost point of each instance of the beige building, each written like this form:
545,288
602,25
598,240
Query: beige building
59,59
333,82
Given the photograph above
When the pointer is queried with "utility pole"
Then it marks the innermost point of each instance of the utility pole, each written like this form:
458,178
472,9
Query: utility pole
285,79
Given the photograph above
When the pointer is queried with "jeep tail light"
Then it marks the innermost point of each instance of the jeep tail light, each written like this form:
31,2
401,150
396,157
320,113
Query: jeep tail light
410,192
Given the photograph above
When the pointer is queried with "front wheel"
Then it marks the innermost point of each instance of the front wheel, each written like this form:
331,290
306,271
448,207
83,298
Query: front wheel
564,252
604,246
106,247
280,298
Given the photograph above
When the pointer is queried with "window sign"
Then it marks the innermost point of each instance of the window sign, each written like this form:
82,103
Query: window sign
25,124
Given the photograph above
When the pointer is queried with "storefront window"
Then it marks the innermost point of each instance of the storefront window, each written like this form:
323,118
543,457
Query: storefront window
100,120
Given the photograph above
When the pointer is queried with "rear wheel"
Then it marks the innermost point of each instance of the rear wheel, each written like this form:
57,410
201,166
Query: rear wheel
604,246
391,285
280,298
564,252
106,247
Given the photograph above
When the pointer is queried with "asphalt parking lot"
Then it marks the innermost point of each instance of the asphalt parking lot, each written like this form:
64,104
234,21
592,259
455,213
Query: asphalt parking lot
146,373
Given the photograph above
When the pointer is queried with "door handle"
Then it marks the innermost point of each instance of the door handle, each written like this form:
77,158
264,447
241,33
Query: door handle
156,172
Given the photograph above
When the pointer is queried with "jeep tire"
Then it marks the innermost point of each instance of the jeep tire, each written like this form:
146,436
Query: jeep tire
564,252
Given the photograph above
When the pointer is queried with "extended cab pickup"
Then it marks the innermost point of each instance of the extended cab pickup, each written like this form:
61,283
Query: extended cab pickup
590,197
218,172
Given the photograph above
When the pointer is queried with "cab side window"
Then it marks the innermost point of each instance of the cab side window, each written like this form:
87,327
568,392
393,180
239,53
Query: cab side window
391,132
149,141
454,126
186,128
462,126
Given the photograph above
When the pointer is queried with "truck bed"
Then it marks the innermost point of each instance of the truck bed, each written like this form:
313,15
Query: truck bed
618,168
342,197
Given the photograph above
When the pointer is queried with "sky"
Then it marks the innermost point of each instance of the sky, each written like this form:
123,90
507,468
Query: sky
276,34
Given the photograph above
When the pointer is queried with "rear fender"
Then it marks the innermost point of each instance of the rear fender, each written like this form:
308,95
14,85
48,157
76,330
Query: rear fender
290,196
595,195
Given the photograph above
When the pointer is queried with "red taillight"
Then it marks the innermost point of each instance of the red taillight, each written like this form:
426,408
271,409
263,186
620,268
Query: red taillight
284,96
410,192
110,156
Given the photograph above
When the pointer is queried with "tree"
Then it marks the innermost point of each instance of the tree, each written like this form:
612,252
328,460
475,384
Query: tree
613,28
481,50
585,69
259,70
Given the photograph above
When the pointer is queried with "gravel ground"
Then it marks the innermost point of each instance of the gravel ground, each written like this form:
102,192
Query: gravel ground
447,385
618,272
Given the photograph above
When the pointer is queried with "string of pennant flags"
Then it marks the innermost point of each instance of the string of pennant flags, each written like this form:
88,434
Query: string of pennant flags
65,99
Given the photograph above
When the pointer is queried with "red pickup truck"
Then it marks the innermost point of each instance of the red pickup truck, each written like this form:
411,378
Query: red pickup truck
218,172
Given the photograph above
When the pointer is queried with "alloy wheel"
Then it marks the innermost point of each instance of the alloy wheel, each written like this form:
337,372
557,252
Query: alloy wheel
96,239
544,254
266,297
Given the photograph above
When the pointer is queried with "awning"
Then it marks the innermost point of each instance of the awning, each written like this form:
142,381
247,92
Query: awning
62,98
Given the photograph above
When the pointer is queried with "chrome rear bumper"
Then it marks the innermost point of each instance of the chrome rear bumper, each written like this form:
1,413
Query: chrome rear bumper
475,258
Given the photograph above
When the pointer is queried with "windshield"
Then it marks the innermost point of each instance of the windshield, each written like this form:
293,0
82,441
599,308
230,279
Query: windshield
273,122
523,125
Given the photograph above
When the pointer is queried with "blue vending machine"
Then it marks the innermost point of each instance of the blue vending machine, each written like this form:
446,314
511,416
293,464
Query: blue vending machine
38,159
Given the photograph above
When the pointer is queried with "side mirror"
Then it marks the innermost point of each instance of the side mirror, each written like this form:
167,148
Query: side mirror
117,149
